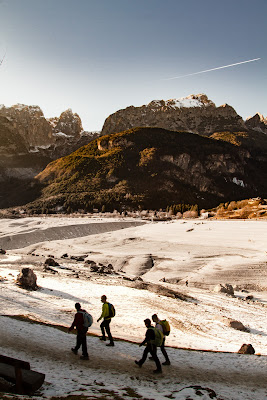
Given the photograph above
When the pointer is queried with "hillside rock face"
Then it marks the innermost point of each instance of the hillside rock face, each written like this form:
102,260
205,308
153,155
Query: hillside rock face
28,142
195,113
150,168
257,122
25,134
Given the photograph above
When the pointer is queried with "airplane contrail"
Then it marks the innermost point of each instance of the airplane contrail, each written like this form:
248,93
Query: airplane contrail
212,69
2,59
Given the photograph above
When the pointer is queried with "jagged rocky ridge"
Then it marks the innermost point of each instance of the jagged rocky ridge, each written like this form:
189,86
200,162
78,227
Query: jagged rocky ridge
195,113
29,141
150,168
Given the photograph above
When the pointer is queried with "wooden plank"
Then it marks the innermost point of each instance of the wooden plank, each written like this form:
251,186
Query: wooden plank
14,361
30,380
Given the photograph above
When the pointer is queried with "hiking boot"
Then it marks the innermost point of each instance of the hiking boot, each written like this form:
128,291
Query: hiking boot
157,371
138,363
84,358
166,363
102,338
110,344
74,351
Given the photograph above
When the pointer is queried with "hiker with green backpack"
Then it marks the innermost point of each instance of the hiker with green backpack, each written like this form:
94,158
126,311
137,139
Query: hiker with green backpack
108,312
152,340
164,327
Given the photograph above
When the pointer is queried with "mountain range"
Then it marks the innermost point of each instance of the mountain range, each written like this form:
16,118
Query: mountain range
164,153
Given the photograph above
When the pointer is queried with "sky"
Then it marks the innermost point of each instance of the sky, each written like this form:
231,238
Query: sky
97,57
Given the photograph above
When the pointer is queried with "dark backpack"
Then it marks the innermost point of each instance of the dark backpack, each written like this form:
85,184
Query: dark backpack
112,311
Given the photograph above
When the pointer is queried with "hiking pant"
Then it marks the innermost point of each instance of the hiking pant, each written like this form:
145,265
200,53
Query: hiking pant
105,328
81,341
164,352
152,349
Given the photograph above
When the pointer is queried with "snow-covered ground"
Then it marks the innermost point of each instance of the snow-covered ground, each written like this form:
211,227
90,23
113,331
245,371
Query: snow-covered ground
202,252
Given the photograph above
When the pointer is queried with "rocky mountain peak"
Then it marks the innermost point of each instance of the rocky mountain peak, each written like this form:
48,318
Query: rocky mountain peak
68,123
194,113
29,123
258,122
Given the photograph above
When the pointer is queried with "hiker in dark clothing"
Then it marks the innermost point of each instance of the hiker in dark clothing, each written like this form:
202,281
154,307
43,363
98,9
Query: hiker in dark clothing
151,347
162,347
106,322
78,322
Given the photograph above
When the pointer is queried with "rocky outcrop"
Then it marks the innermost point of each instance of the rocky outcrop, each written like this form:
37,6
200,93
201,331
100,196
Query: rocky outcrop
27,279
195,113
246,349
29,141
68,123
226,288
257,123
28,125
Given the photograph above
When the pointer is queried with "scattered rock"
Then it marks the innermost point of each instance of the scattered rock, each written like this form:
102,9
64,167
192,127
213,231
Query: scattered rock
237,325
226,288
27,279
192,392
249,297
51,262
90,262
94,268
101,269
65,255
2,251
78,258
49,269
246,349
126,278
173,281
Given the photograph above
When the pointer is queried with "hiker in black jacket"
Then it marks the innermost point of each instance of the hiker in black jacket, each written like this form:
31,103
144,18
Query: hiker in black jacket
151,347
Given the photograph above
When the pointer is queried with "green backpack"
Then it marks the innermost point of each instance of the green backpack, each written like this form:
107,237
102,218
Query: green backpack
166,327
158,337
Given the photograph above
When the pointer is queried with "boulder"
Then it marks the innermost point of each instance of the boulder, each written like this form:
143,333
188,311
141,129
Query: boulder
94,268
27,279
2,251
237,325
246,349
225,288
51,262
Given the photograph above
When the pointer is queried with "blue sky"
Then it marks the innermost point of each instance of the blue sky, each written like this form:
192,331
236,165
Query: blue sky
98,56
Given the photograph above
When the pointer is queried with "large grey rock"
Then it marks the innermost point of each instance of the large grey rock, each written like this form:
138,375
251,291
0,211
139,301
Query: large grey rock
232,323
27,279
246,349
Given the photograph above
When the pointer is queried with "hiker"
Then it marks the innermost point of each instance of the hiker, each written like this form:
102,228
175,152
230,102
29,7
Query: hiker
106,322
158,325
151,346
78,322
